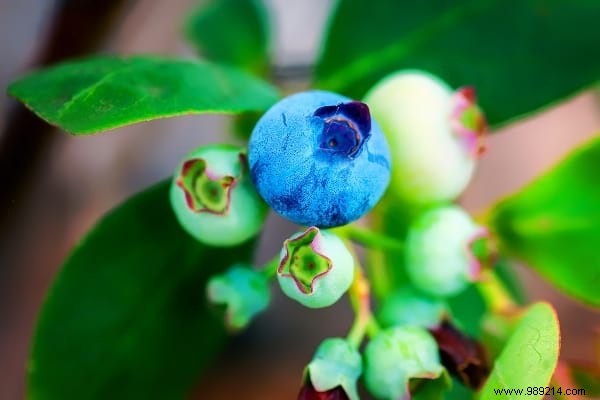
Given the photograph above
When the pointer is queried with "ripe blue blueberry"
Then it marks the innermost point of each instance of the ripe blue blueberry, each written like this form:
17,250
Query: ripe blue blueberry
318,159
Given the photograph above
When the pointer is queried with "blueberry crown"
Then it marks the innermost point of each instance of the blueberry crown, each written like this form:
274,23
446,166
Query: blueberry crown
346,127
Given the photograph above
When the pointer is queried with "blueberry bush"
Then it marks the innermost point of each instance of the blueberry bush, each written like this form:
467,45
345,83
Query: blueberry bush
402,99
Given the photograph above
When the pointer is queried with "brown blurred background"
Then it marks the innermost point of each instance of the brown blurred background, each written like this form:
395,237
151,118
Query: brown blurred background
78,179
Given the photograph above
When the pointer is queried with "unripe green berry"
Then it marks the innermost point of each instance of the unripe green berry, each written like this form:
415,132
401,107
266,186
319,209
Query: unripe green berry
397,355
213,197
435,135
439,251
407,306
315,268
243,290
335,364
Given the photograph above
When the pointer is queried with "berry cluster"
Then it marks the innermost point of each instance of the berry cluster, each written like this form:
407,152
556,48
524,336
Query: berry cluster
323,161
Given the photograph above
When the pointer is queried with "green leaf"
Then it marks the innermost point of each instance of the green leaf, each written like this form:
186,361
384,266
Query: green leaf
126,317
102,93
504,270
233,32
468,309
520,54
529,356
554,224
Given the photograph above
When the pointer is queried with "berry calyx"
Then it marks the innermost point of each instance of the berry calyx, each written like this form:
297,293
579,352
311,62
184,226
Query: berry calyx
308,392
213,198
303,262
334,370
463,357
315,268
346,127
468,121
204,191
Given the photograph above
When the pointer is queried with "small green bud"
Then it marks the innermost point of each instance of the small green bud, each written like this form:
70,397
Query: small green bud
213,197
435,135
397,355
315,268
335,364
407,306
440,258
243,290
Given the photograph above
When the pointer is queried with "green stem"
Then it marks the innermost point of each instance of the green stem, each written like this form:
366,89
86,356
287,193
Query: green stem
369,238
373,327
269,270
360,299
379,274
359,328
377,243
494,292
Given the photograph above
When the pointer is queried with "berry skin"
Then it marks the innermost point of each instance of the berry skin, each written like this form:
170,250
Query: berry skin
434,133
315,268
407,306
439,251
213,197
318,159
396,355
243,290
333,371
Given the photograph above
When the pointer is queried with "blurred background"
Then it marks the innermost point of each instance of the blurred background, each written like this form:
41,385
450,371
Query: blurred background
70,182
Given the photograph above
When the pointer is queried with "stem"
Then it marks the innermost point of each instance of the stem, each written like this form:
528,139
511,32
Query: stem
269,270
360,299
496,295
379,274
369,238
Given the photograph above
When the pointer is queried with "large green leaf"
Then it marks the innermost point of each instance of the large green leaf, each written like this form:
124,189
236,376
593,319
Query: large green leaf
102,93
232,31
520,54
554,224
127,317
528,358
